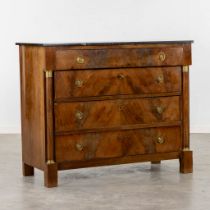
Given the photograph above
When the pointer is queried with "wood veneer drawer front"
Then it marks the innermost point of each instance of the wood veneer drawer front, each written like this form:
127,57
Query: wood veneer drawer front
117,144
116,82
111,58
114,113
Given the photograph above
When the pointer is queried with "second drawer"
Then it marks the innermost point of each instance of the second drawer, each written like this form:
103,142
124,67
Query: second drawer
115,113
86,83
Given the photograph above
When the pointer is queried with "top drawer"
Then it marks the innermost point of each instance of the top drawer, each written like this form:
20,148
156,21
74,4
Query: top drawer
116,57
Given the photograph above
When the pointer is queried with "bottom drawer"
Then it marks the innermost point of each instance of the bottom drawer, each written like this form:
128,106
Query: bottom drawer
117,143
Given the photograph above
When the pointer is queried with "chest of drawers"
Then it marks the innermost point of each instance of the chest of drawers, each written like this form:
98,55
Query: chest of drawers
104,103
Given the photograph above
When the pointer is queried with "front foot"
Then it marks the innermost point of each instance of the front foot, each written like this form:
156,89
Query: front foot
51,175
186,162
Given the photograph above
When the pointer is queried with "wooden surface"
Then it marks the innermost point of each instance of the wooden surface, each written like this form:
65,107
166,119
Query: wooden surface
116,58
49,118
125,81
32,60
104,104
114,113
186,162
27,170
119,160
51,175
185,111
117,144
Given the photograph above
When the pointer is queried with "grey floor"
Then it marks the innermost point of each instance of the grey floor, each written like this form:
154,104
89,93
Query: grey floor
139,186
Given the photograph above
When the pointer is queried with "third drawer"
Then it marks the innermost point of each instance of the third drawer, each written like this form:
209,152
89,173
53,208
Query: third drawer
115,113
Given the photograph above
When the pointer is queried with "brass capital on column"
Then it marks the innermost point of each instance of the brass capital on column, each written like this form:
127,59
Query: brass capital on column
185,68
48,73
49,162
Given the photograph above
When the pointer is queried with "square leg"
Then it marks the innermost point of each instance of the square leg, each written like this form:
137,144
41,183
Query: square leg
51,175
27,170
186,162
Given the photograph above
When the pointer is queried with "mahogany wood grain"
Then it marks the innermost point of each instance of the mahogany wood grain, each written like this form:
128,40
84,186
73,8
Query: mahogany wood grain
119,160
112,97
27,170
32,60
49,119
186,162
122,127
88,83
115,116
115,113
51,175
117,144
116,58
185,111
50,58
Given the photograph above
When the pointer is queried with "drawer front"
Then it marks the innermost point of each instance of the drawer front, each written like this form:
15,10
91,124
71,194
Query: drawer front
111,58
117,144
115,113
116,82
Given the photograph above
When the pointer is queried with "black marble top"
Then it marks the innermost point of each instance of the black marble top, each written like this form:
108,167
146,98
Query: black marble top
104,43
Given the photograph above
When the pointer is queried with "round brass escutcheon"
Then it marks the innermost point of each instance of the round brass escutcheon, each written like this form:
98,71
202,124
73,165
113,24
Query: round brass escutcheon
162,56
160,140
79,115
80,60
160,79
79,147
159,109
79,83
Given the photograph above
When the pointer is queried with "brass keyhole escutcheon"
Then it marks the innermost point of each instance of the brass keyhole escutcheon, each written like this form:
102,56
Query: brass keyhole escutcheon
79,115
121,107
79,147
120,76
159,109
162,56
80,60
79,83
160,140
160,79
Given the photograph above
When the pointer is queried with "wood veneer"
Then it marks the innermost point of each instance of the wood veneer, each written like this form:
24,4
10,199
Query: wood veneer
117,143
112,113
104,103
127,81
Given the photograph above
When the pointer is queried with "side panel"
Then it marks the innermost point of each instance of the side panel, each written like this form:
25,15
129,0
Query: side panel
32,64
